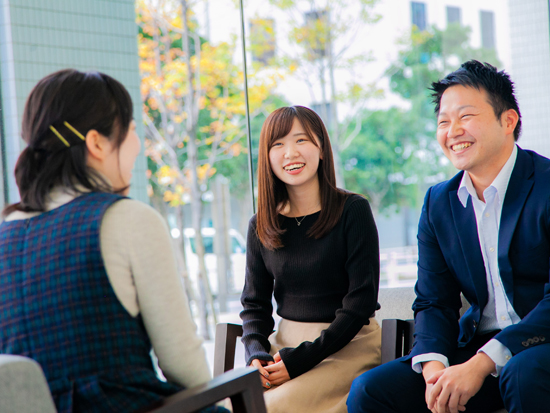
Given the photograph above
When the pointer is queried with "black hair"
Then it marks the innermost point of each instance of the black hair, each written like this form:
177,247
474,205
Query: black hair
86,100
498,85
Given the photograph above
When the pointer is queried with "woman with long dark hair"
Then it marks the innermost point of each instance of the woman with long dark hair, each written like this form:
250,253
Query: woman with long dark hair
315,248
87,276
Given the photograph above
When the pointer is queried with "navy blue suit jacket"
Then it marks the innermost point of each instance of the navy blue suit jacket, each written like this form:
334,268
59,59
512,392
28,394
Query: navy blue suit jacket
451,262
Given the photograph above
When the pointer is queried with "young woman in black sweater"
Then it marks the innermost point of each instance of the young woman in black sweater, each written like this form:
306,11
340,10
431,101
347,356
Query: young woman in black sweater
315,248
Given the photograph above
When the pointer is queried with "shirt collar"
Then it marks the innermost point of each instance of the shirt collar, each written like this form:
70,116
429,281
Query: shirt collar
500,183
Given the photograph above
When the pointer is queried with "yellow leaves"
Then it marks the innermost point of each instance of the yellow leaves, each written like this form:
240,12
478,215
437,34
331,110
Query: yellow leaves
205,171
176,197
216,89
166,175
236,149
153,104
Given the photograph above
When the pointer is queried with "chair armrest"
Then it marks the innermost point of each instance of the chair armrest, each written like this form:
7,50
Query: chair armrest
224,347
397,338
242,386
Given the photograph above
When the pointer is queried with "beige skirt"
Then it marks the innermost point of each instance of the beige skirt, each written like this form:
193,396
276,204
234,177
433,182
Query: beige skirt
325,388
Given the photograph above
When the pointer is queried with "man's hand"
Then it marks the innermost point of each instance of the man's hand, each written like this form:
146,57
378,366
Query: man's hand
278,373
454,386
430,368
259,364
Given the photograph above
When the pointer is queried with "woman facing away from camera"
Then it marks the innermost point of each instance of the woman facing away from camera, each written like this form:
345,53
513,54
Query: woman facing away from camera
315,247
88,277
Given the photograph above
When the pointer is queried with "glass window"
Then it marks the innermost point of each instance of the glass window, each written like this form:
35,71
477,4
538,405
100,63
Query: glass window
453,15
487,29
262,40
418,14
316,33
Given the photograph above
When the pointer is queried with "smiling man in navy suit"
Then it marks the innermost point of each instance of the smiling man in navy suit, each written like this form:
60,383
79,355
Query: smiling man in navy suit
484,233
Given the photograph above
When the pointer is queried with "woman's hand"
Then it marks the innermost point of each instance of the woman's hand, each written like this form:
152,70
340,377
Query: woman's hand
278,373
259,364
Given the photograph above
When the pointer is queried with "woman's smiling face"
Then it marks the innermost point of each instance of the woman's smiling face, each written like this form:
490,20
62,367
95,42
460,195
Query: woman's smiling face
294,158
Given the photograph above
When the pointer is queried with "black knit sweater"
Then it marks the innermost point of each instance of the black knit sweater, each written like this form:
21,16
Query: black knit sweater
329,280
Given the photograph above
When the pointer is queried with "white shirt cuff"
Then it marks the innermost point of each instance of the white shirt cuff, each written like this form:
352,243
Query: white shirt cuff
498,352
422,358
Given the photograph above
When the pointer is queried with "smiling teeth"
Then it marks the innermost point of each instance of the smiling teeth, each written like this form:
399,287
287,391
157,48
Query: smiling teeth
294,166
461,146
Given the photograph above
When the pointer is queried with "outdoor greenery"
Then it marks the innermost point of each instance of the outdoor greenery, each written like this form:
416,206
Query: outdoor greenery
194,113
395,156
194,106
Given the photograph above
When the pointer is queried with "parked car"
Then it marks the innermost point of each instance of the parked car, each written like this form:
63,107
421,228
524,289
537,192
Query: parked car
235,283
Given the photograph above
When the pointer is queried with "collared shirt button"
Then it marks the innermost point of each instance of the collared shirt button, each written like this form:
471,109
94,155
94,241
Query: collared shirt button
508,358
503,318
487,214
497,284
492,249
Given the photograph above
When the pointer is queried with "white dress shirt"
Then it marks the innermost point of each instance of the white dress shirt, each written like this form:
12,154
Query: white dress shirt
498,313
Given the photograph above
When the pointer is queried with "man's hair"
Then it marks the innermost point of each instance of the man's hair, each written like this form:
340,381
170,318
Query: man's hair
498,85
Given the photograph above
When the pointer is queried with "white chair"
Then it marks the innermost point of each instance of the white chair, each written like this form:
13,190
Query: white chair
23,387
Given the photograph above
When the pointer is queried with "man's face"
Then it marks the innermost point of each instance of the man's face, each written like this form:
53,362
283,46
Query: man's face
469,133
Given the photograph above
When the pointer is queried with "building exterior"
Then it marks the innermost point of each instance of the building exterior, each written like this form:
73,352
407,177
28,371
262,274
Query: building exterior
39,37
488,20
530,47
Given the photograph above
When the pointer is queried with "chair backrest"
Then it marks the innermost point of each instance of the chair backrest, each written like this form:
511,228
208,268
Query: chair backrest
397,303
23,387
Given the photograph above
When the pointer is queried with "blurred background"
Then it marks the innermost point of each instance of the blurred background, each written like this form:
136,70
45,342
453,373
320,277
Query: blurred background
363,65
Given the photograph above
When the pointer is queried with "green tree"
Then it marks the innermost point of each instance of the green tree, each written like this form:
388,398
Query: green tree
395,155
193,112
321,35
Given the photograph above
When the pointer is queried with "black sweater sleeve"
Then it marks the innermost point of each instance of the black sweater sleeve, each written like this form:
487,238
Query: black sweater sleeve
362,266
257,314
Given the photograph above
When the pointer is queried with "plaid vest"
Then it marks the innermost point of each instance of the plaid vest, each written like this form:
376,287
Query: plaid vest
58,308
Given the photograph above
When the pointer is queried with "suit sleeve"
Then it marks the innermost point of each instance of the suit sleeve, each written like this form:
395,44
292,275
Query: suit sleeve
437,305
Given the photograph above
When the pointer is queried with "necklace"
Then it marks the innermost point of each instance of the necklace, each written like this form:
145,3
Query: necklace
299,222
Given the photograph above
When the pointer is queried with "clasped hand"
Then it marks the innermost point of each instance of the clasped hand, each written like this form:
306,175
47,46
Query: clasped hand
274,373
449,389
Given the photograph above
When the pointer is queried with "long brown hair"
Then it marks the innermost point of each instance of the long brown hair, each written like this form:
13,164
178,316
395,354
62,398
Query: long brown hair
272,193
86,100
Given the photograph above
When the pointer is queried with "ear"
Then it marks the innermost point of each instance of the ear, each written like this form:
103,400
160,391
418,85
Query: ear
98,146
510,119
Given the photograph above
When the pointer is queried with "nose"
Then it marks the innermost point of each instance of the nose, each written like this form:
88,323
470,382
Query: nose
455,129
291,151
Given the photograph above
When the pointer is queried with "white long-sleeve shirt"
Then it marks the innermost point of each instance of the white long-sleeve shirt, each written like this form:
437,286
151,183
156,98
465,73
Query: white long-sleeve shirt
139,259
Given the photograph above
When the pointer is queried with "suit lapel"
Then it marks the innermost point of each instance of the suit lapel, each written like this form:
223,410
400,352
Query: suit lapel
466,229
519,187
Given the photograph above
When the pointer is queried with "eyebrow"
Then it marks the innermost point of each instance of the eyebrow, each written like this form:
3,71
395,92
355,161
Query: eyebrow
459,109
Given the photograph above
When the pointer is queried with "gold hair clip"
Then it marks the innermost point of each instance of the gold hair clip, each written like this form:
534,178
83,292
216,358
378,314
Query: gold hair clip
73,130
61,138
